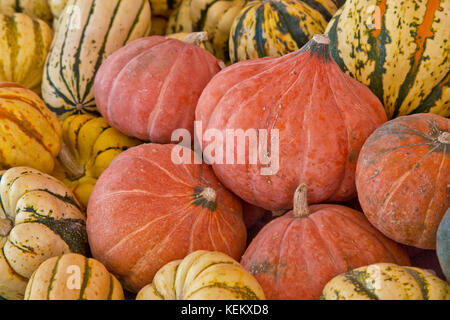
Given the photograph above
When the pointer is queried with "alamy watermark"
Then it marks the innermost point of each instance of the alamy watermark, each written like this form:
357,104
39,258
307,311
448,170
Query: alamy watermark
229,146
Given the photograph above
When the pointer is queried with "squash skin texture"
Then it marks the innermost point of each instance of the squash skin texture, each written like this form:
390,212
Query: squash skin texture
292,94
293,258
133,88
88,32
38,9
24,45
89,280
202,275
399,49
46,221
443,244
30,135
146,211
386,281
402,178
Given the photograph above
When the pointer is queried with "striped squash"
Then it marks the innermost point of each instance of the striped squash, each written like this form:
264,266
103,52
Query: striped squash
30,134
39,9
73,277
203,275
386,281
163,7
90,31
39,219
90,146
399,49
180,19
24,45
216,17
57,7
277,27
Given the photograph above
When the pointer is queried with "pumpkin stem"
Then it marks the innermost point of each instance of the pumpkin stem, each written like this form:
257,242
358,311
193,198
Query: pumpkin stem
301,209
444,137
319,46
65,156
79,107
321,38
196,38
209,194
5,227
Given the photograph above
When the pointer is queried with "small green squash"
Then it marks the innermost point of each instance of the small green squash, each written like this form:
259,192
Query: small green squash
443,244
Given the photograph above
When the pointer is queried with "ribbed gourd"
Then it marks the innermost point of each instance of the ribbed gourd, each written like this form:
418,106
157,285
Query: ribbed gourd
30,135
386,281
90,31
39,9
203,275
216,17
90,144
24,45
277,27
399,49
39,219
73,277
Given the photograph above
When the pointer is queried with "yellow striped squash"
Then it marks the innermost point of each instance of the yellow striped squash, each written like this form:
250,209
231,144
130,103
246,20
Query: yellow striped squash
39,219
216,18
203,275
180,19
90,146
30,135
38,9
163,7
277,27
90,30
399,49
24,45
73,277
386,281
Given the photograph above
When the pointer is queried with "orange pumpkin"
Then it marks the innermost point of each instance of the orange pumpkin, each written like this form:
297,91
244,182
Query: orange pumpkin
146,211
150,87
403,178
322,116
294,256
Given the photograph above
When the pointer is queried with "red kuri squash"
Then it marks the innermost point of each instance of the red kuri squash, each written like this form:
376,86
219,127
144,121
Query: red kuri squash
322,116
150,87
146,211
403,178
294,256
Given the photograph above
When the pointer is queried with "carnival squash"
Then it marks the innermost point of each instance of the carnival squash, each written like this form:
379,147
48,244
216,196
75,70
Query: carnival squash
386,281
151,207
90,145
39,219
403,178
134,88
90,31
312,118
24,45
73,277
399,49
443,244
38,9
30,135
203,275
277,27
180,19
294,256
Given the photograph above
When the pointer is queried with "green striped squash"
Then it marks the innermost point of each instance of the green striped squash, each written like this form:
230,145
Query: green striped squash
386,281
24,45
34,8
277,27
73,277
180,19
90,30
399,49
216,18
39,219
